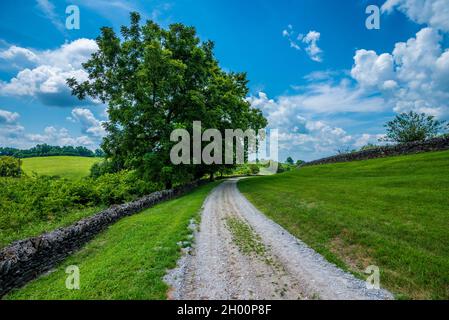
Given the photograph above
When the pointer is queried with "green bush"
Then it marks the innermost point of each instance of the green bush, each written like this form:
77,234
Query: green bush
284,167
254,168
412,126
31,200
10,167
242,169
100,168
114,188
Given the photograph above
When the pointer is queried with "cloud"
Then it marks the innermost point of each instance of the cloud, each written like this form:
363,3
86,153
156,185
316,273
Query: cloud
366,138
48,10
289,33
303,132
9,134
330,98
323,99
61,137
10,129
320,75
413,77
13,134
89,124
18,57
370,69
434,13
123,5
7,117
47,80
310,40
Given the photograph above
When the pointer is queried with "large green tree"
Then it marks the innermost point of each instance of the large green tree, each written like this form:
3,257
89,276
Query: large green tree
154,81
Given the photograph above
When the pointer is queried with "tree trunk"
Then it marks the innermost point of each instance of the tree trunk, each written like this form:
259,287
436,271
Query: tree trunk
168,185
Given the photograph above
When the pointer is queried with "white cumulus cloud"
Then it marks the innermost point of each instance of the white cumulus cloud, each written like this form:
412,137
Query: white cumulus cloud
299,118
46,81
13,134
18,57
311,40
61,137
7,117
89,124
413,77
434,13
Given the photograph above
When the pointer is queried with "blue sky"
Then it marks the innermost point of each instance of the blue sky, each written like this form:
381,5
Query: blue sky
319,75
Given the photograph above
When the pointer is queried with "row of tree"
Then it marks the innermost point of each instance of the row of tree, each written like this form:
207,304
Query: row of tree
45,150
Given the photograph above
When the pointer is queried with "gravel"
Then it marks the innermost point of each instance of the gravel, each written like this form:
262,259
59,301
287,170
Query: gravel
215,268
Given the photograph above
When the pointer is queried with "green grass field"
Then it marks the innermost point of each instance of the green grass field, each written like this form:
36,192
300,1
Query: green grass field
129,259
63,166
390,212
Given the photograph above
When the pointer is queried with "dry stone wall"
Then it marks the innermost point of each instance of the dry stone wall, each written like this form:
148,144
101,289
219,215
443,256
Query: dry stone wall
26,259
436,144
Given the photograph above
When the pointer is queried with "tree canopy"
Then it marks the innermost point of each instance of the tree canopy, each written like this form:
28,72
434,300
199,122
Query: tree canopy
412,126
154,81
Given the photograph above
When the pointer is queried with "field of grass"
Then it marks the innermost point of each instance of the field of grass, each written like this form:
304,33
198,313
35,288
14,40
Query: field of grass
62,166
129,259
36,226
391,212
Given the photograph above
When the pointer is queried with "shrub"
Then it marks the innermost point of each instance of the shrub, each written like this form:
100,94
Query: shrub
100,168
10,167
284,167
254,168
242,169
412,126
34,199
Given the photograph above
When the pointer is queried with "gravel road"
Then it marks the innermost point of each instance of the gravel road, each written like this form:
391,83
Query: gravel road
241,254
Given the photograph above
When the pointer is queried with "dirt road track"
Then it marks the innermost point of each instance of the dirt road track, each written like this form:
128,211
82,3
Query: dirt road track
241,254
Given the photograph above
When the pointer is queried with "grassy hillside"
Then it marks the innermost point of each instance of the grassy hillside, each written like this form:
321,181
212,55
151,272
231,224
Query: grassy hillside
128,260
63,166
391,212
